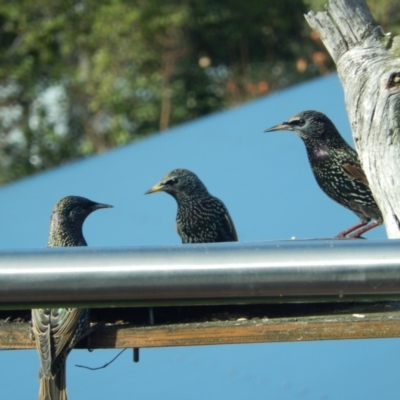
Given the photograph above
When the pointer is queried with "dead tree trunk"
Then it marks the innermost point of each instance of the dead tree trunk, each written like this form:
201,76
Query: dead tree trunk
368,64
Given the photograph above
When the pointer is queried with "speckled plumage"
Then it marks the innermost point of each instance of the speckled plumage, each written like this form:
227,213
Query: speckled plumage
201,217
57,330
336,167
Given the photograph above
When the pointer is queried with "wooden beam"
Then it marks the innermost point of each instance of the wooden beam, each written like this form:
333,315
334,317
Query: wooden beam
260,330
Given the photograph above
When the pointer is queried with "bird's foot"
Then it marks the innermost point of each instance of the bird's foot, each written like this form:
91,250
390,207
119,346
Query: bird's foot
355,237
343,234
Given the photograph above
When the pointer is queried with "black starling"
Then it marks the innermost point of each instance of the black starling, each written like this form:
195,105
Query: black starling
56,330
201,218
336,168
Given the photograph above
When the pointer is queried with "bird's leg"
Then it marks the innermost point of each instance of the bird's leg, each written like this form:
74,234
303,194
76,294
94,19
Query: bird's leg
351,229
358,233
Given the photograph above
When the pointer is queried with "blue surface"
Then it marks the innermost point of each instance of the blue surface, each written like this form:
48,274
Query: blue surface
267,185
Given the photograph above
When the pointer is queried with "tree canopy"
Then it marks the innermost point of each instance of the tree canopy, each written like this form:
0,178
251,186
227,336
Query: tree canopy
81,76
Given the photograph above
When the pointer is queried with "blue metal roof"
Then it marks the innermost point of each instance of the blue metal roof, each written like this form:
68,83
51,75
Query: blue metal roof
266,183
264,179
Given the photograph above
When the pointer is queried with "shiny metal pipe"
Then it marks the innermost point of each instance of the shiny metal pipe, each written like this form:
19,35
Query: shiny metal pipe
282,271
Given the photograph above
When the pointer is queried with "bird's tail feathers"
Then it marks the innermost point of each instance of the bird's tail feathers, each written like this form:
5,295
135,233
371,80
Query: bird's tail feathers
54,387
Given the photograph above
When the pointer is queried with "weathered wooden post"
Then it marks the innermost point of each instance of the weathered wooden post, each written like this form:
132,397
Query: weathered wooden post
368,64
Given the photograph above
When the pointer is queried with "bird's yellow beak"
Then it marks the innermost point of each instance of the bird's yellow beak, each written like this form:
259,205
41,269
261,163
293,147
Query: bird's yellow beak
156,188
281,127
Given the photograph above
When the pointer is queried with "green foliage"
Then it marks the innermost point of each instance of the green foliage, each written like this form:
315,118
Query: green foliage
82,76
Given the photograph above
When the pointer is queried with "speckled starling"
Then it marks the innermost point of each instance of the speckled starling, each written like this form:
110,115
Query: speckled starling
201,218
336,168
56,330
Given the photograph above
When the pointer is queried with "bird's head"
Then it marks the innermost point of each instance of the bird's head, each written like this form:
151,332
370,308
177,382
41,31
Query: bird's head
74,210
179,182
309,125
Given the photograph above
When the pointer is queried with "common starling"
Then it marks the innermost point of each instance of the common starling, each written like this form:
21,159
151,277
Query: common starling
336,168
201,218
56,330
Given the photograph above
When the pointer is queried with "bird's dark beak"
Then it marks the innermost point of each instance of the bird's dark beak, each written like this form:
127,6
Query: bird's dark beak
284,126
97,206
156,188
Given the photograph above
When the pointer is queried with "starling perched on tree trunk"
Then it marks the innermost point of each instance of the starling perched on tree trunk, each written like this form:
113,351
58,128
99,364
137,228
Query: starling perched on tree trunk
56,330
201,218
336,168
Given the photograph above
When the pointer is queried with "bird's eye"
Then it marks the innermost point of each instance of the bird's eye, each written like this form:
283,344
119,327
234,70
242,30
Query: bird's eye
76,211
301,122
171,181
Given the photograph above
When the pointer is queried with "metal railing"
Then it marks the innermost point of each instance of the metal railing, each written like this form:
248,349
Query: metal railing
281,271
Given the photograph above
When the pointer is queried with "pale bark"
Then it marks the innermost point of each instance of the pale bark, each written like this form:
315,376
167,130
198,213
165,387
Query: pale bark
368,65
